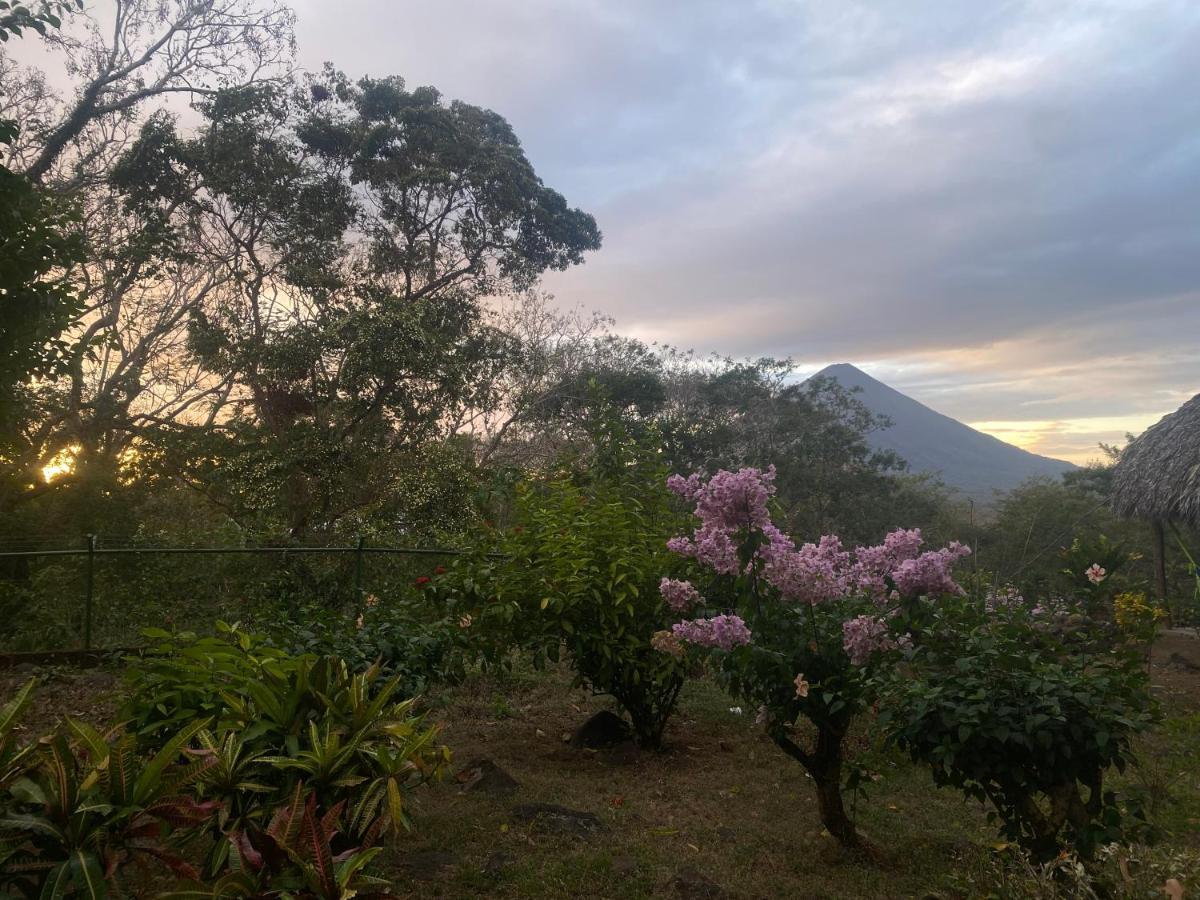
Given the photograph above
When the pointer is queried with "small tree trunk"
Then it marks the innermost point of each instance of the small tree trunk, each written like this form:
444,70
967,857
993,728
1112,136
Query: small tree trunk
824,764
833,811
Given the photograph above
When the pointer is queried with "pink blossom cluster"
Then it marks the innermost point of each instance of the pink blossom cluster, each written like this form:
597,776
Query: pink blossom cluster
723,632
814,573
930,573
680,595
713,548
862,636
874,565
731,504
726,504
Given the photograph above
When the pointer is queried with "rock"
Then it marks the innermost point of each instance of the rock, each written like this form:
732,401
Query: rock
604,729
485,776
495,864
691,885
1178,659
550,817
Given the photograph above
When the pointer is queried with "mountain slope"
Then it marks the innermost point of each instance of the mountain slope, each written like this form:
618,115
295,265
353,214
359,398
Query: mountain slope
969,460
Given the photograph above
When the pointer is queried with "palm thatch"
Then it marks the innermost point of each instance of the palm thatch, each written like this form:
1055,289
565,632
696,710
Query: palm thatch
1158,477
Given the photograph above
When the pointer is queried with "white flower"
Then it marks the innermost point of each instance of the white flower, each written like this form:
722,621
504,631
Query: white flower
736,710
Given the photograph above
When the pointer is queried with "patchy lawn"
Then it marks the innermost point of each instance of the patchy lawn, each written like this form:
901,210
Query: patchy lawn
721,812
721,806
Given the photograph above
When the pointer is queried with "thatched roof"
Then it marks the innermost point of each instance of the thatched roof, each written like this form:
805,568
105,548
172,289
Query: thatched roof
1158,476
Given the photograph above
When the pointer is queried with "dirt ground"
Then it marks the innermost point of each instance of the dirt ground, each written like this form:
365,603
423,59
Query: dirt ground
721,813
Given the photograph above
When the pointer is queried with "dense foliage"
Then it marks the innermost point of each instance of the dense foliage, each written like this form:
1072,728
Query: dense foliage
1026,709
251,770
580,574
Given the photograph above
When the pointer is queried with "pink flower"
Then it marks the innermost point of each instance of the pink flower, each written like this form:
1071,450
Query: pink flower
1096,573
680,595
862,636
801,686
728,503
1005,597
814,573
723,632
688,488
929,574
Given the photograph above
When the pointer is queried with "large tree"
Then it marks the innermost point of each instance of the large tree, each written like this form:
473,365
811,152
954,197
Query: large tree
355,230
117,355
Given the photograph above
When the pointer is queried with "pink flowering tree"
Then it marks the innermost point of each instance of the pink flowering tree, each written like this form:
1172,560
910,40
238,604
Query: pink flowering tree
795,631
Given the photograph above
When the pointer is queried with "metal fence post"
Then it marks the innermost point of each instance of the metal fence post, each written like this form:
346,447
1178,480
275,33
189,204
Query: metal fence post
358,566
89,582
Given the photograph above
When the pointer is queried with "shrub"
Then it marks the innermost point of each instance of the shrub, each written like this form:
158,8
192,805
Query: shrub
287,771
82,810
795,632
418,641
184,677
283,723
585,558
295,855
1004,705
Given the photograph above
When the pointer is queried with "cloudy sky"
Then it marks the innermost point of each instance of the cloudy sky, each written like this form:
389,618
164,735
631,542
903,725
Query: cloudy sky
994,207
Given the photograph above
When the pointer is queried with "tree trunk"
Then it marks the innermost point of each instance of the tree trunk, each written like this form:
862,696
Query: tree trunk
832,810
1160,561
824,764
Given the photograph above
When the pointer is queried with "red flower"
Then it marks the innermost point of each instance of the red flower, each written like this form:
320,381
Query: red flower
422,581
440,570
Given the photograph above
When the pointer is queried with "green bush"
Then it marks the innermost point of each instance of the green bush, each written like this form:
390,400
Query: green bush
245,770
80,811
585,557
418,641
1017,710
284,724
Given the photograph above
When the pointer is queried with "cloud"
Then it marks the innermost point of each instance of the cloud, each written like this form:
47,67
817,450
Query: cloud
995,203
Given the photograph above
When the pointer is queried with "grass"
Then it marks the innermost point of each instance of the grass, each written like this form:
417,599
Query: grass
721,806
721,801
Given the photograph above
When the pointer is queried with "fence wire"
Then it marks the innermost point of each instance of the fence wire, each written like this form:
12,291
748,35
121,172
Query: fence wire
95,596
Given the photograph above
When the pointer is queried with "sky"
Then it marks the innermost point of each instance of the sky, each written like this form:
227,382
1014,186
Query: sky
992,206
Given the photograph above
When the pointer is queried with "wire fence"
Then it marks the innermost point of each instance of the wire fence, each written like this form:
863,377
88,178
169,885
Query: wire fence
96,597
